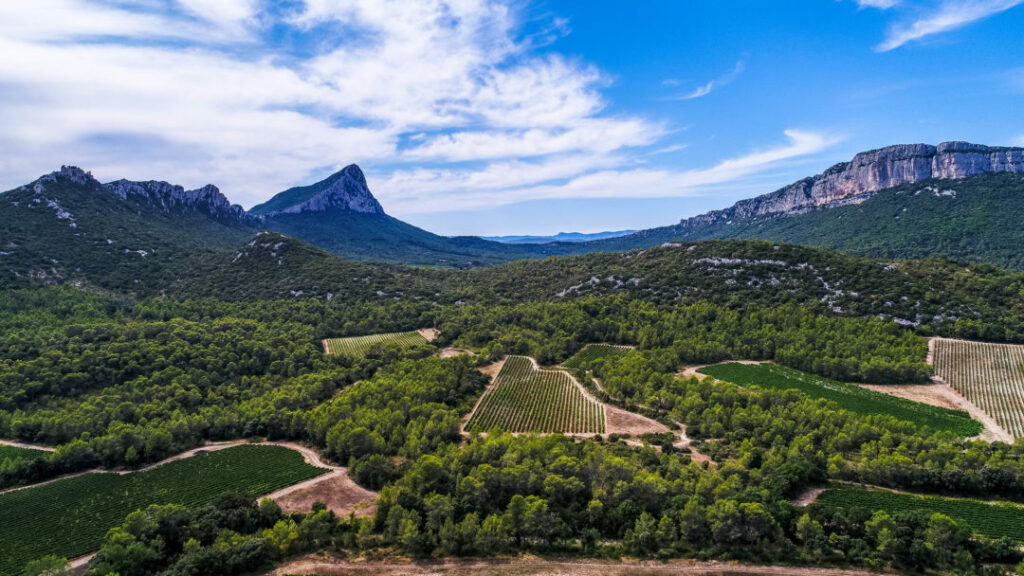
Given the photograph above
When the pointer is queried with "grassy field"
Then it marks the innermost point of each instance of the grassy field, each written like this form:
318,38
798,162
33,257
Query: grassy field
847,396
70,517
526,400
358,345
592,352
991,519
13,452
989,375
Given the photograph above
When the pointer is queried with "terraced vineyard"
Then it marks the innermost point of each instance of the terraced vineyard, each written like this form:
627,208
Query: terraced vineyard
991,519
989,375
523,399
70,517
358,345
848,396
15,452
592,352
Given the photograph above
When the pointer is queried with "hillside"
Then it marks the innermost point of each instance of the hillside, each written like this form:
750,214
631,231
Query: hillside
135,237
912,201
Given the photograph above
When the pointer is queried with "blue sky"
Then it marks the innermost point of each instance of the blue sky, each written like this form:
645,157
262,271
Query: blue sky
479,117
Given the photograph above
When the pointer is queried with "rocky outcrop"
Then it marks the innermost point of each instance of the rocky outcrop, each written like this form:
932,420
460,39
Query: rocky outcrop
344,190
869,172
168,197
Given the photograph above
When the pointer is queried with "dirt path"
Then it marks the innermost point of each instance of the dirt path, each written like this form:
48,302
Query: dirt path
693,371
943,395
532,566
309,455
14,444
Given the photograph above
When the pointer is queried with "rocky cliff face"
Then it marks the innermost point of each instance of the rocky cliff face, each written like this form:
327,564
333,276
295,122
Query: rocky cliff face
168,197
344,190
869,172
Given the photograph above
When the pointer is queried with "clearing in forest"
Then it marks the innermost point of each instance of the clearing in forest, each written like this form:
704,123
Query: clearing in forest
524,398
847,396
992,519
358,345
989,375
70,517
592,352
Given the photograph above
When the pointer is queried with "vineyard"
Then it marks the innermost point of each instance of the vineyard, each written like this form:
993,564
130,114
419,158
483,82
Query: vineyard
523,399
69,517
358,345
848,396
15,452
994,520
989,375
592,352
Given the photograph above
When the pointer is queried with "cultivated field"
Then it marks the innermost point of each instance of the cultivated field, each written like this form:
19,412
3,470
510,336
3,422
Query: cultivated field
70,517
847,396
592,352
991,519
989,375
358,345
15,452
524,399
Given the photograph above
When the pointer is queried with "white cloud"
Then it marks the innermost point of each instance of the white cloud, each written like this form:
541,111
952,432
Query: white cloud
949,15
422,191
715,84
880,4
441,101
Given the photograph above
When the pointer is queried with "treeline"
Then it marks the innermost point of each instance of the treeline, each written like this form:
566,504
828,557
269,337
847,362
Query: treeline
841,348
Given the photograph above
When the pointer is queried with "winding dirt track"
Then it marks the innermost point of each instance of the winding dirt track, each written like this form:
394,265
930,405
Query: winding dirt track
531,566
14,444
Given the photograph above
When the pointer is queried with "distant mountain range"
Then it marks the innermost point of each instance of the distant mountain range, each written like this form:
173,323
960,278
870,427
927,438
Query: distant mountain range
956,200
572,237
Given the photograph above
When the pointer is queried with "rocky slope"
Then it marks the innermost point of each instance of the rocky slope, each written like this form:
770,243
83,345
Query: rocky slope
869,172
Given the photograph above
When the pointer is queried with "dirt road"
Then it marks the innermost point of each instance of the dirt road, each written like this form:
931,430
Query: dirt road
547,567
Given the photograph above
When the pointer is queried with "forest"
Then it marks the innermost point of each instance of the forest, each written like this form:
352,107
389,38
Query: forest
116,381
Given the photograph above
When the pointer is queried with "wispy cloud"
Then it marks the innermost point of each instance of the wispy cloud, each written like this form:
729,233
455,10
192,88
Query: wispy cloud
705,89
445,103
949,15
583,176
880,4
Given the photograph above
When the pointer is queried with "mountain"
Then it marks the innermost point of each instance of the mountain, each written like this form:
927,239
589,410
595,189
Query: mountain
571,237
137,237
899,201
341,215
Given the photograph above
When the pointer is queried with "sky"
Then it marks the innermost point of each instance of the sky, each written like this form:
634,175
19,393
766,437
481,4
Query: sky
500,117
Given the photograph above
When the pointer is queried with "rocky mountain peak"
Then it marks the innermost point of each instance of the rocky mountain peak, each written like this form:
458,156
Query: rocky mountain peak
343,190
71,174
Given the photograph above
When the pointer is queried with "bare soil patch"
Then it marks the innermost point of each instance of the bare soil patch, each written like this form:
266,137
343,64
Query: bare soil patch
532,566
944,396
619,421
451,352
808,497
428,333
492,369
694,370
335,490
